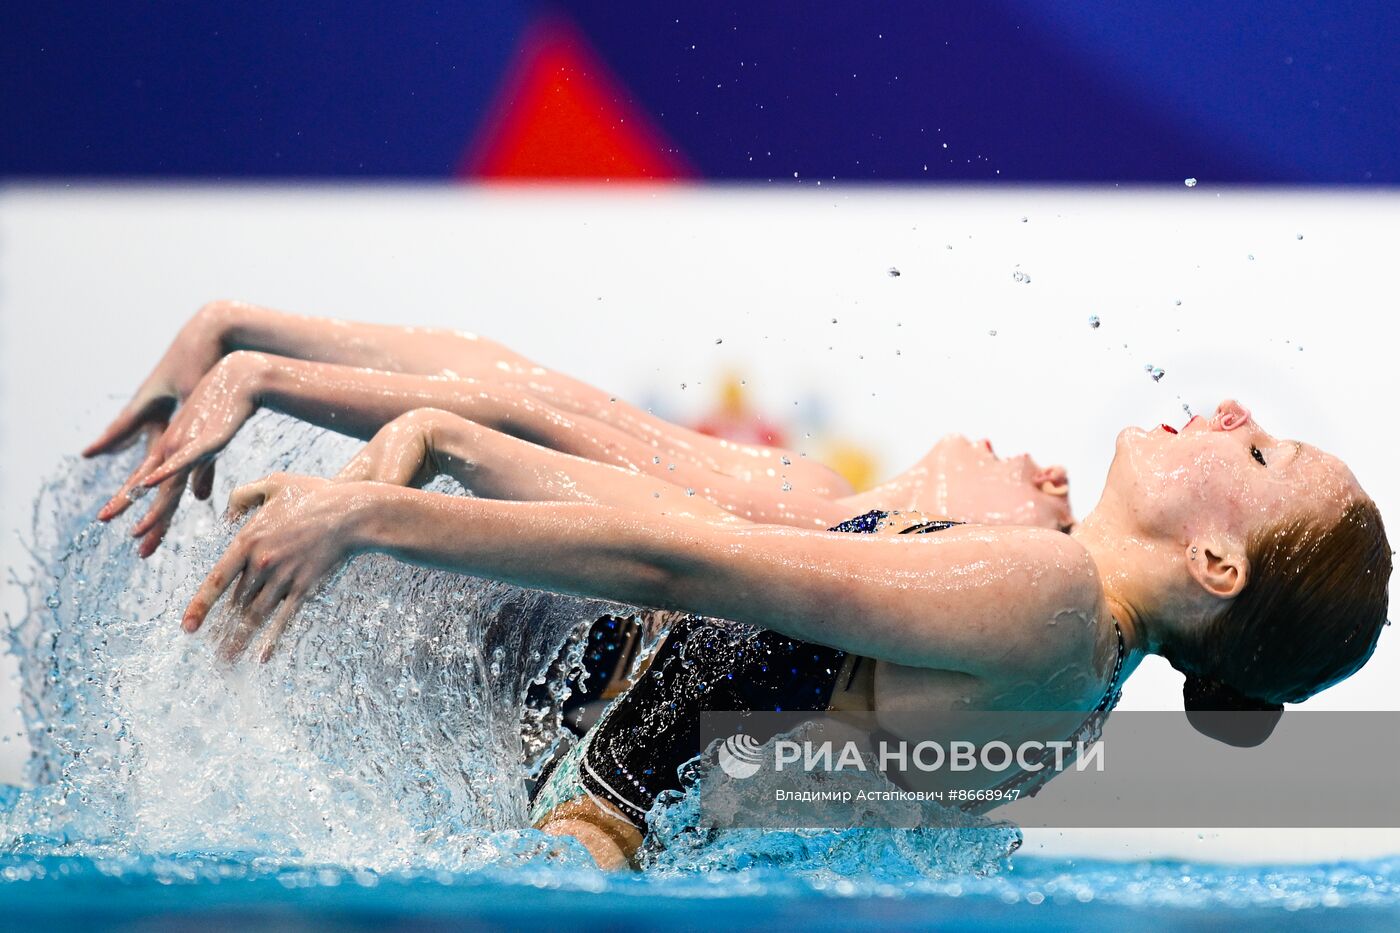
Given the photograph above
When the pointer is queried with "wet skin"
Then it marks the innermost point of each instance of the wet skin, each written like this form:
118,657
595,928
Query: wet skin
357,378
989,617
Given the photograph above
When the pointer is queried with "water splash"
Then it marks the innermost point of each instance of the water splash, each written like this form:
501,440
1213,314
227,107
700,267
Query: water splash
387,733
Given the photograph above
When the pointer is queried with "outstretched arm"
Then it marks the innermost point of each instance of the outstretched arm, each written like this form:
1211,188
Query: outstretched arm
435,351
939,601
359,402
415,447
223,327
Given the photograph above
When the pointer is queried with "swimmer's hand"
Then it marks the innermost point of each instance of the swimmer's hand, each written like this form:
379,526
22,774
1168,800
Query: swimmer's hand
195,350
304,530
218,405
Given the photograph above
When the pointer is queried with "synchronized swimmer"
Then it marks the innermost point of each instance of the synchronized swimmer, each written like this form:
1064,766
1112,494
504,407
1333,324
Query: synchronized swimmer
1255,564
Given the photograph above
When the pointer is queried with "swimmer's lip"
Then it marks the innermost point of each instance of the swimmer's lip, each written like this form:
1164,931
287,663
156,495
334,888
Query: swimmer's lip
1169,429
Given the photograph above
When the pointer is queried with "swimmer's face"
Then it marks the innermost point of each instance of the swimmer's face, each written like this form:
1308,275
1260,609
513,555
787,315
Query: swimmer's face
972,484
1224,476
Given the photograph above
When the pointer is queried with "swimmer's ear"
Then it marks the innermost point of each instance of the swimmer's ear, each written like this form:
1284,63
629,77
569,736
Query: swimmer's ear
1217,710
1218,565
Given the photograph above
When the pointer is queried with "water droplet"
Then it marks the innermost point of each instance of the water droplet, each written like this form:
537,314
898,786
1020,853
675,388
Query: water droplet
1300,236
1094,321
1178,302
1157,374
655,459
1251,257
682,385
689,491
893,272
833,320
787,487
1025,220
1020,276
1190,182
991,333
785,460
671,467
719,340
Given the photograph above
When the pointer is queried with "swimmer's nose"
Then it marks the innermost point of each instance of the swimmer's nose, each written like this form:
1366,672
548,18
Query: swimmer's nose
1053,480
1230,415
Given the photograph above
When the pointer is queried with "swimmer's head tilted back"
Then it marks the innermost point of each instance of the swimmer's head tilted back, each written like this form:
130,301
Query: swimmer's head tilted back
1267,564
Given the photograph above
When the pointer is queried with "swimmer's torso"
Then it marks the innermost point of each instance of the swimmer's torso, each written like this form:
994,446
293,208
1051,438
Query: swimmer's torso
634,749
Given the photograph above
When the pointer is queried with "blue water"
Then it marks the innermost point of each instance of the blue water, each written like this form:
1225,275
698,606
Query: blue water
371,774
1034,893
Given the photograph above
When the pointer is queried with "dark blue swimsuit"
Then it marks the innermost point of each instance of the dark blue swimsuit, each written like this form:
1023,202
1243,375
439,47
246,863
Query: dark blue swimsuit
706,664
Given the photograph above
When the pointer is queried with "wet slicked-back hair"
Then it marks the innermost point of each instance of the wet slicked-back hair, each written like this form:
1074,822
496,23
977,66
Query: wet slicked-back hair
1309,615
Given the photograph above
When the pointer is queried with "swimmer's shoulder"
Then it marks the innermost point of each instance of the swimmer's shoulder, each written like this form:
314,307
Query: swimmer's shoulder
1043,604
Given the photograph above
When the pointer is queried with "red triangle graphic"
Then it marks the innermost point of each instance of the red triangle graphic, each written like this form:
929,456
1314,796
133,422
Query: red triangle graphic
563,115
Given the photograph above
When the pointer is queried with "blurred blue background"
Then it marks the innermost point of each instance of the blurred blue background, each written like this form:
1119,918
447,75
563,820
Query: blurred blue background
960,90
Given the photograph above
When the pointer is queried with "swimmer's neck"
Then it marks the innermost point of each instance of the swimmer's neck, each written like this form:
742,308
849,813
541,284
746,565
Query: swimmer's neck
1131,572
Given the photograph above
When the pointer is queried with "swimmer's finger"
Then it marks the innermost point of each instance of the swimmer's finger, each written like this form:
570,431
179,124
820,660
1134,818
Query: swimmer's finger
249,585
235,641
179,462
153,538
246,498
202,480
255,612
167,500
122,501
260,606
264,606
289,608
225,571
